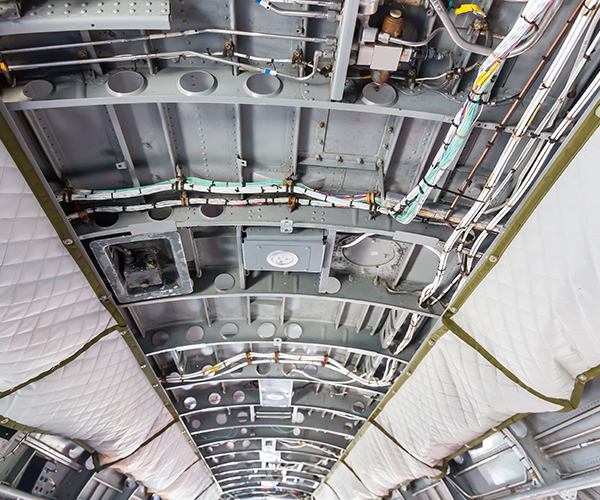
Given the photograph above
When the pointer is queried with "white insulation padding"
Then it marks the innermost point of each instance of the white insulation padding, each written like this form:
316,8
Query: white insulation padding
49,311
538,310
47,308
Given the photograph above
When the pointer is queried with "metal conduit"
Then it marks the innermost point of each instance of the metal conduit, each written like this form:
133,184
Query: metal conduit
574,484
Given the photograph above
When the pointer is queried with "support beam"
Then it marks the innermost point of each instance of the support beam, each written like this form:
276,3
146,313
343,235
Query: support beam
314,333
239,419
249,374
311,436
287,447
562,488
275,285
304,398
221,470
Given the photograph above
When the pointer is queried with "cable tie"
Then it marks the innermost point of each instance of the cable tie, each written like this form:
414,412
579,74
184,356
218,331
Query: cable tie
249,357
325,360
531,23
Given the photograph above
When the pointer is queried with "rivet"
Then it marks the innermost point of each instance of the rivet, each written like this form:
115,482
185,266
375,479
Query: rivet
67,241
493,258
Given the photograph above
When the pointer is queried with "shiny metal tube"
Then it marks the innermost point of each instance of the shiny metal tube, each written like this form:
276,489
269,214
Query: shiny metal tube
159,36
575,484
13,493
440,10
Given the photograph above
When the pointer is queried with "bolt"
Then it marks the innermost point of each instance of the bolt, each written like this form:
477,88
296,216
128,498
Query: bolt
360,161
386,146
319,141
321,124
493,259
338,159
380,163
390,130
67,241
318,157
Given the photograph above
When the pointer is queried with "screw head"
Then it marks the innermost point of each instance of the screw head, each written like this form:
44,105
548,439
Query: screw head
67,242
582,377
493,259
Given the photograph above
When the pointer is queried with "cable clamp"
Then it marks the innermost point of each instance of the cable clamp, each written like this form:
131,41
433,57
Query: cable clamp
249,357
185,201
83,215
67,194
325,360
371,202
292,203
277,357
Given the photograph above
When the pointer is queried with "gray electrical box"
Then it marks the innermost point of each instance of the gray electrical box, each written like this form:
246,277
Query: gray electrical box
269,249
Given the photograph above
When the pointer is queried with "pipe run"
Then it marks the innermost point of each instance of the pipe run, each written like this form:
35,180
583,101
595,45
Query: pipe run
558,489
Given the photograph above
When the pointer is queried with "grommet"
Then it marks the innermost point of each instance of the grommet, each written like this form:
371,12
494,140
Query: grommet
493,259
67,242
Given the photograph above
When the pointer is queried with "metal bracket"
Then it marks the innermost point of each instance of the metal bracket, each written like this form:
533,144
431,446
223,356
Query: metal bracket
568,494
286,226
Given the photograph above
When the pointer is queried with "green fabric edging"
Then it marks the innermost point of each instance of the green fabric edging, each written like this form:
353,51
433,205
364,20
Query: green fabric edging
47,203
145,443
587,128
64,362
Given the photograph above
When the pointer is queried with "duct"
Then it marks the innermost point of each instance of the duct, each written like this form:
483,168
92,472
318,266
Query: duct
66,368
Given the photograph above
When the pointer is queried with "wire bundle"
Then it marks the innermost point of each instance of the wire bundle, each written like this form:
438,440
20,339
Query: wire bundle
489,191
239,361
463,122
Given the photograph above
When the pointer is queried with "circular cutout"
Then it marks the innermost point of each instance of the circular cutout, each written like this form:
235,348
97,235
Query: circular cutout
288,368
126,83
239,396
160,213
211,211
221,418
214,398
38,89
106,219
246,443
159,339
296,432
197,82
196,424
310,370
371,252
379,95
266,330
293,330
190,403
243,417
229,330
263,85
333,285
224,282
207,351
358,407
263,368
230,445
195,333
282,259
